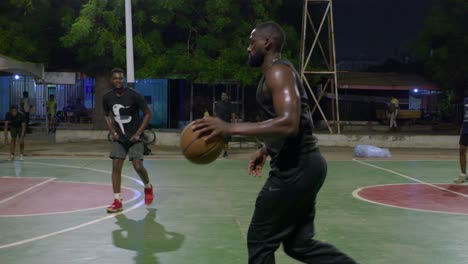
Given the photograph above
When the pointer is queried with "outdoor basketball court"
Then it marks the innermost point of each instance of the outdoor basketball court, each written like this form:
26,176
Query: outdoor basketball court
391,211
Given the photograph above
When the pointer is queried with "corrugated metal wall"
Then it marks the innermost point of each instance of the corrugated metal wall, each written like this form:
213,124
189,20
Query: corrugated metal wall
39,94
5,96
155,91
36,94
65,93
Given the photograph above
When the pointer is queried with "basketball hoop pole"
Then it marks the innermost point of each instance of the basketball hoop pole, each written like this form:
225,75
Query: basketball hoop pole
129,43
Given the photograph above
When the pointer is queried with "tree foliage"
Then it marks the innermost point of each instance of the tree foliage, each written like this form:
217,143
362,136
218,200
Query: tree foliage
205,39
30,30
442,47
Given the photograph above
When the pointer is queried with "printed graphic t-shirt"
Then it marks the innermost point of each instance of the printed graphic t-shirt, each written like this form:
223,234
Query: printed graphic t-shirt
125,110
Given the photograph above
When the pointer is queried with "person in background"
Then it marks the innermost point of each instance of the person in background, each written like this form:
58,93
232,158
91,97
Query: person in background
224,110
25,108
463,142
16,121
393,111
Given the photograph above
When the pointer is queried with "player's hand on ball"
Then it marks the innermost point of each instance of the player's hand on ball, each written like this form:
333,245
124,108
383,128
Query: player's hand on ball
257,160
212,126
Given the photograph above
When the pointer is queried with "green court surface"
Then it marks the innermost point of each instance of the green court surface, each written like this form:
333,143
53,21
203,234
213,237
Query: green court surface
201,213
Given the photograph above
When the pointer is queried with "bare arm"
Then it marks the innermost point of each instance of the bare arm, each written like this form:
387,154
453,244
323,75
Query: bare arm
109,125
23,129
280,83
146,119
144,124
5,130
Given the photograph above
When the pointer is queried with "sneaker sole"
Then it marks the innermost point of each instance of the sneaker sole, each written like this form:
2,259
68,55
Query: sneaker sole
114,211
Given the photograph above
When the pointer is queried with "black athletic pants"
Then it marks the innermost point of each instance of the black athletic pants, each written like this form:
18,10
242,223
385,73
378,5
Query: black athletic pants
284,213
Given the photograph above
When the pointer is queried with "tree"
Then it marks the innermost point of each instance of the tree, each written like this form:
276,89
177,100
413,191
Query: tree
442,48
30,30
205,39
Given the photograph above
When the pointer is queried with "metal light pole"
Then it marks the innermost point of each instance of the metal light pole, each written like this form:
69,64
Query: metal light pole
129,43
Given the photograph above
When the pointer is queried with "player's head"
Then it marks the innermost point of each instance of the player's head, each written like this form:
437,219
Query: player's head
25,94
13,110
51,97
266,38
117,78
224,96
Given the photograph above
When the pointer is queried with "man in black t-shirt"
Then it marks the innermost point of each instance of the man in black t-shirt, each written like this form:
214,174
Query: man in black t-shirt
122,108
224,110
17,123
463,142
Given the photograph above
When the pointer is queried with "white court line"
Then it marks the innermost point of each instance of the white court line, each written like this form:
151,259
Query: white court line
405,160
81,168
18,243
357,196
411,178
99,158
26,190
136,195
78,226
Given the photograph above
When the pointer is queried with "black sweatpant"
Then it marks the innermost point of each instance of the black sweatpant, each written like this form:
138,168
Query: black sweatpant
285,212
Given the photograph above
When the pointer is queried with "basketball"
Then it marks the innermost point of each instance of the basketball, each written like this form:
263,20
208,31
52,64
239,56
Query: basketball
197,150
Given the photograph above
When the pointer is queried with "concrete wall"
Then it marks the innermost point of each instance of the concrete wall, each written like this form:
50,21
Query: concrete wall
385,141
390,141
62,136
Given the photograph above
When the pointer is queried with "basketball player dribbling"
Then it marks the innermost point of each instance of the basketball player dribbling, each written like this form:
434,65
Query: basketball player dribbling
285,207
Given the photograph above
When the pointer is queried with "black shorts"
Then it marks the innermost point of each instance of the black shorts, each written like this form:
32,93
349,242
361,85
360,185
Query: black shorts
134,151
15,132
464,139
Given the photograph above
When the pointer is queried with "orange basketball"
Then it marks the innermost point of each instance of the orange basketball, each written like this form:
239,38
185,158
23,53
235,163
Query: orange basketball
197,150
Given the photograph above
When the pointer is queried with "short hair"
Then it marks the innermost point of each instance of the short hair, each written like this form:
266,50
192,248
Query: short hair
25,94
13,107
117,70
274,32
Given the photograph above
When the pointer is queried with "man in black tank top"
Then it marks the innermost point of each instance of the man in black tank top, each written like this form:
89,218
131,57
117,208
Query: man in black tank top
285,207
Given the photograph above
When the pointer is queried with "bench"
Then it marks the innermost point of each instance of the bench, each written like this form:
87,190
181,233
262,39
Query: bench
407,115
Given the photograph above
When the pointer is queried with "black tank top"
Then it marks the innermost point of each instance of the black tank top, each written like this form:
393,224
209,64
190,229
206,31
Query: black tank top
285,151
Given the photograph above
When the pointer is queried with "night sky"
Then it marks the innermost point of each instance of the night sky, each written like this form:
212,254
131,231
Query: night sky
377,28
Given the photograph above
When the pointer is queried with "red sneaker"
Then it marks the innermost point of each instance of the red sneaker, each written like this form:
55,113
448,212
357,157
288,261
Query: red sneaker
149,195
115,207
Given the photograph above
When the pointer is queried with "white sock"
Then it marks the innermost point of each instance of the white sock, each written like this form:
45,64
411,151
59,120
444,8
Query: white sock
462,174
148,185
117,196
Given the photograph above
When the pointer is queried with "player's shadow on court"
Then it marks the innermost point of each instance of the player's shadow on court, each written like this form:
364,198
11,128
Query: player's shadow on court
146,237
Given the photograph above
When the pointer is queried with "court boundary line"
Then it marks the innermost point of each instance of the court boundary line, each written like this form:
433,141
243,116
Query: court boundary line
182,158
356,195
136,195
91,169
44,236
21,242
49,179
410,178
